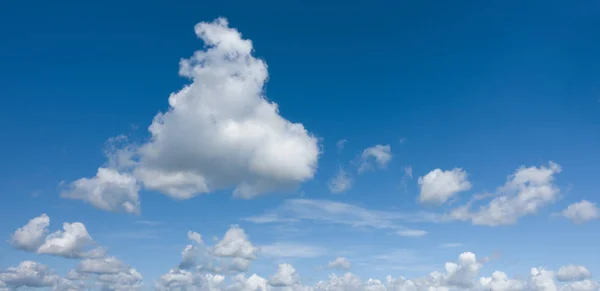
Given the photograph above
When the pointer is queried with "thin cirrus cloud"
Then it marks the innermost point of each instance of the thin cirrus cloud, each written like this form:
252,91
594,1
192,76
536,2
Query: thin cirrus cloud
220,132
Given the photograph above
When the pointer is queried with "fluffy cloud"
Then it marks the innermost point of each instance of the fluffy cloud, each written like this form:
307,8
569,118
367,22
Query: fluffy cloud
31,236
286,276
499,281
525,191
109,190
29,274
438,186
220,132
339,263
235,244
71,242
573,273
111,273
581,212
542,280
380,155
340,183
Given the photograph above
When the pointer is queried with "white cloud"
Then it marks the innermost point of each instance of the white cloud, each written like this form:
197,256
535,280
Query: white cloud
411,232
340,183
573,273
339,263
524,192
106,265
542,280
438,186
378,154
31,236
220,131
195,237
286,276
29,274
584,285
71,242
581,212
109,190
451,245
291,250
499,281
235,244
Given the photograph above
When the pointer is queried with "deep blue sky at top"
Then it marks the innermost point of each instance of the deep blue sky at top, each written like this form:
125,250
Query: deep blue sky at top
485,85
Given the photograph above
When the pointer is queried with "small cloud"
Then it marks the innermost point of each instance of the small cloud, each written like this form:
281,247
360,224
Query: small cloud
380,155
450,245
581,212
411,233
340,183
340,144
408,172
339,263
402,140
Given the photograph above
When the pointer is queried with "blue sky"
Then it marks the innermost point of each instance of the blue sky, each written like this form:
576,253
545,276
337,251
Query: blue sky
391,119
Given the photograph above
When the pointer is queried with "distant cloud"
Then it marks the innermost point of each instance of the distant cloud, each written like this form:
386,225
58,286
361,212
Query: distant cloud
411,233
292,250
450,245
340,183
339,263
377,155
438,186
581,212
525,191
340,144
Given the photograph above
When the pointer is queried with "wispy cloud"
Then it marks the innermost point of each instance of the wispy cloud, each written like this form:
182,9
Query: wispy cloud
292,250
326,211
450,245
149,222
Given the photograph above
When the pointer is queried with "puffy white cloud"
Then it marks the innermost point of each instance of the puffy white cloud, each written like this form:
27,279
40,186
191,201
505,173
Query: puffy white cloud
525,191
109,190
380,155
340,183
584,285
438,186
129,279
573,273
542,280
106,265
235,244
220,130
581,211
499,281
463,273
286,276
195,237
339,263
29,274
71,242
31,236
